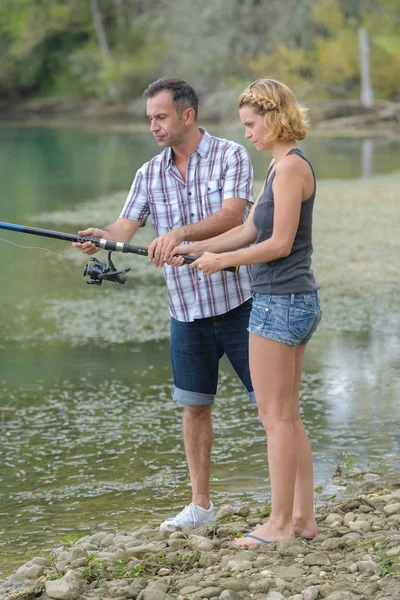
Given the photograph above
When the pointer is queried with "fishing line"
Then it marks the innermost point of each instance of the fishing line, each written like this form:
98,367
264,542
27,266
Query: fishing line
37,248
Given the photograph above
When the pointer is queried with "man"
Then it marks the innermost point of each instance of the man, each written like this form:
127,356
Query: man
198,187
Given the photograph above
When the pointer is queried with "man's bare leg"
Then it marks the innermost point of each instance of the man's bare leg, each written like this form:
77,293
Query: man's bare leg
198,439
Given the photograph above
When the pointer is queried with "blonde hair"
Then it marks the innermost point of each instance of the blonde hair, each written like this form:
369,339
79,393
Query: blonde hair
284,118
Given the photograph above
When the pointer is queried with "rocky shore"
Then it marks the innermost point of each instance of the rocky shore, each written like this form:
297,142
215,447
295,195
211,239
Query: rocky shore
356,555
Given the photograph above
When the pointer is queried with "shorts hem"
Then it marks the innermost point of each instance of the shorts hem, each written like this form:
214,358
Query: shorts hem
252,397
188,398
276,338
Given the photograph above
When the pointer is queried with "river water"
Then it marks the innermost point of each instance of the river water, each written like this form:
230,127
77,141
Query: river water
89,437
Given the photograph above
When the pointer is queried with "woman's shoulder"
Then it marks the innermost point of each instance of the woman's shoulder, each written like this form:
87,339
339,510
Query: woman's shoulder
293,164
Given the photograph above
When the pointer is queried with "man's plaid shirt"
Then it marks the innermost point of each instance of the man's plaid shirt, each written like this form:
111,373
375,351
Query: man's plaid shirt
217,169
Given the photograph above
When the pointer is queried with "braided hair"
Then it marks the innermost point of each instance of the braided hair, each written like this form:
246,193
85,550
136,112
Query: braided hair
284,118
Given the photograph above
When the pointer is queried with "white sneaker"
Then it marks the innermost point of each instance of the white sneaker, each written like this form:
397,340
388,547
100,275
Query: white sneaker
190,517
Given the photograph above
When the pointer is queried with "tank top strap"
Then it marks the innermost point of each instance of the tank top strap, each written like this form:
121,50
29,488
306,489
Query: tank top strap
268,178
303,156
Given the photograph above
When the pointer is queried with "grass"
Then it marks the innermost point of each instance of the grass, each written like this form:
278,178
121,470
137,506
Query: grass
125,567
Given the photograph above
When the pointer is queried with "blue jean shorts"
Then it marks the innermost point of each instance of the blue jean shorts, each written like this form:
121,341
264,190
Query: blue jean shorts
291,319
197,347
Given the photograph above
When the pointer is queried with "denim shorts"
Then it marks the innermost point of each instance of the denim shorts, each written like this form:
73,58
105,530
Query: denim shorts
196,348
291,319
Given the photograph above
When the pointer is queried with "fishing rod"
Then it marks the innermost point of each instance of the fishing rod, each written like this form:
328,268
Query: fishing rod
96,271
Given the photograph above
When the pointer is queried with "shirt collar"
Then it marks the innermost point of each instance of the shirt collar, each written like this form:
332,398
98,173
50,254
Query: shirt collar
202,148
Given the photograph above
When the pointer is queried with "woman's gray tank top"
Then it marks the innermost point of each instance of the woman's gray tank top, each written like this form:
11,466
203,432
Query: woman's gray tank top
291,274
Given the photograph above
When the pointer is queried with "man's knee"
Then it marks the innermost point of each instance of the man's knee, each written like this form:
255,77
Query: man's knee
197,412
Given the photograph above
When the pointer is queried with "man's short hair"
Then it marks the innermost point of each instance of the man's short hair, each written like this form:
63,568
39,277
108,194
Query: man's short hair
183,95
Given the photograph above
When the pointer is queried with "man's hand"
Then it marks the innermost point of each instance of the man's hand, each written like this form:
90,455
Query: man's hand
89,247
160,249
209,263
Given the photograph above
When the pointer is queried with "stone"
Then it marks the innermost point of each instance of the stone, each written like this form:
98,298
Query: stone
334,520
98,537
234,583
317,559
69,587
199,542
79,562
237,566
108,540
349,516
208,592
261,586
244,555
229,595
311,593
29,570
207,559
140,551
190,589
154,591
392,509
287,572
77,552
243,511
225,511
360,526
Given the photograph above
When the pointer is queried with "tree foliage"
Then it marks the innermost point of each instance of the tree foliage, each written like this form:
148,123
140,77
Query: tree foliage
112,49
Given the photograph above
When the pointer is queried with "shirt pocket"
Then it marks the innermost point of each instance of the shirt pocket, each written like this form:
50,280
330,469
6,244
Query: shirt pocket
165,212
211,196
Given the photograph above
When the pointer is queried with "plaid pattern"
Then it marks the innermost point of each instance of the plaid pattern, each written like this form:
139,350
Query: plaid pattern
218,169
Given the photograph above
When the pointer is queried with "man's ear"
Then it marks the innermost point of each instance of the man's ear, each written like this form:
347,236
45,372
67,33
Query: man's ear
189,116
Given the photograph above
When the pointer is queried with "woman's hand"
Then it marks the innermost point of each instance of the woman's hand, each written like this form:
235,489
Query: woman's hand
192,249
209,263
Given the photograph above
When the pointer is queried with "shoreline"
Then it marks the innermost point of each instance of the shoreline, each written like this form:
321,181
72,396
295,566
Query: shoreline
329,118
356,555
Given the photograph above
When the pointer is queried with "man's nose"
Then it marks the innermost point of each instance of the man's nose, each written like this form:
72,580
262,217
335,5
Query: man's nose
154,126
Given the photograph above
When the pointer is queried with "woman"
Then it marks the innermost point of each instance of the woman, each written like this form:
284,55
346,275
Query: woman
286,309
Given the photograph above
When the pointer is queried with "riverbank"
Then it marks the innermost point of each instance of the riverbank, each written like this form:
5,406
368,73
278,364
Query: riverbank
328,118
356,555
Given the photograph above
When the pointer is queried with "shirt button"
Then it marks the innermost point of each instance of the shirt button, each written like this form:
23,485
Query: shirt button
192,214
189,193
267,309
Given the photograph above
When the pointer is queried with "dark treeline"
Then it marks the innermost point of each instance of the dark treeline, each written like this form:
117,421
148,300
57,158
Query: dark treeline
109,50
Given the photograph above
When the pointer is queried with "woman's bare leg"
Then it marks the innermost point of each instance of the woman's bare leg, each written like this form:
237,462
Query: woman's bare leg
303,511
273,369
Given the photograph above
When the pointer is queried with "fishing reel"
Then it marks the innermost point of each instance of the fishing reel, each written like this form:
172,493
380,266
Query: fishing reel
96,272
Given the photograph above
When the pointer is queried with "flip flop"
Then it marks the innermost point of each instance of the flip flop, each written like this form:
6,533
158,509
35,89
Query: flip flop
303,538
254,537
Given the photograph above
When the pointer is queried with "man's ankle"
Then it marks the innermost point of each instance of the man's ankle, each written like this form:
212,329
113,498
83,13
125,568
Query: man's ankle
202,500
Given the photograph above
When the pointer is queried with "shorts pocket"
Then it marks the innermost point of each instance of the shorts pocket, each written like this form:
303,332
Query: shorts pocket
301,321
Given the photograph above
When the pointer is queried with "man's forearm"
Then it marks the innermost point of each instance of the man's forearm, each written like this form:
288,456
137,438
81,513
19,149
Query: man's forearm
121,231
210,227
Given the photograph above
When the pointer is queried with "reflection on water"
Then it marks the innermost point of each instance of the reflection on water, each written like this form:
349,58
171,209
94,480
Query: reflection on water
367,157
